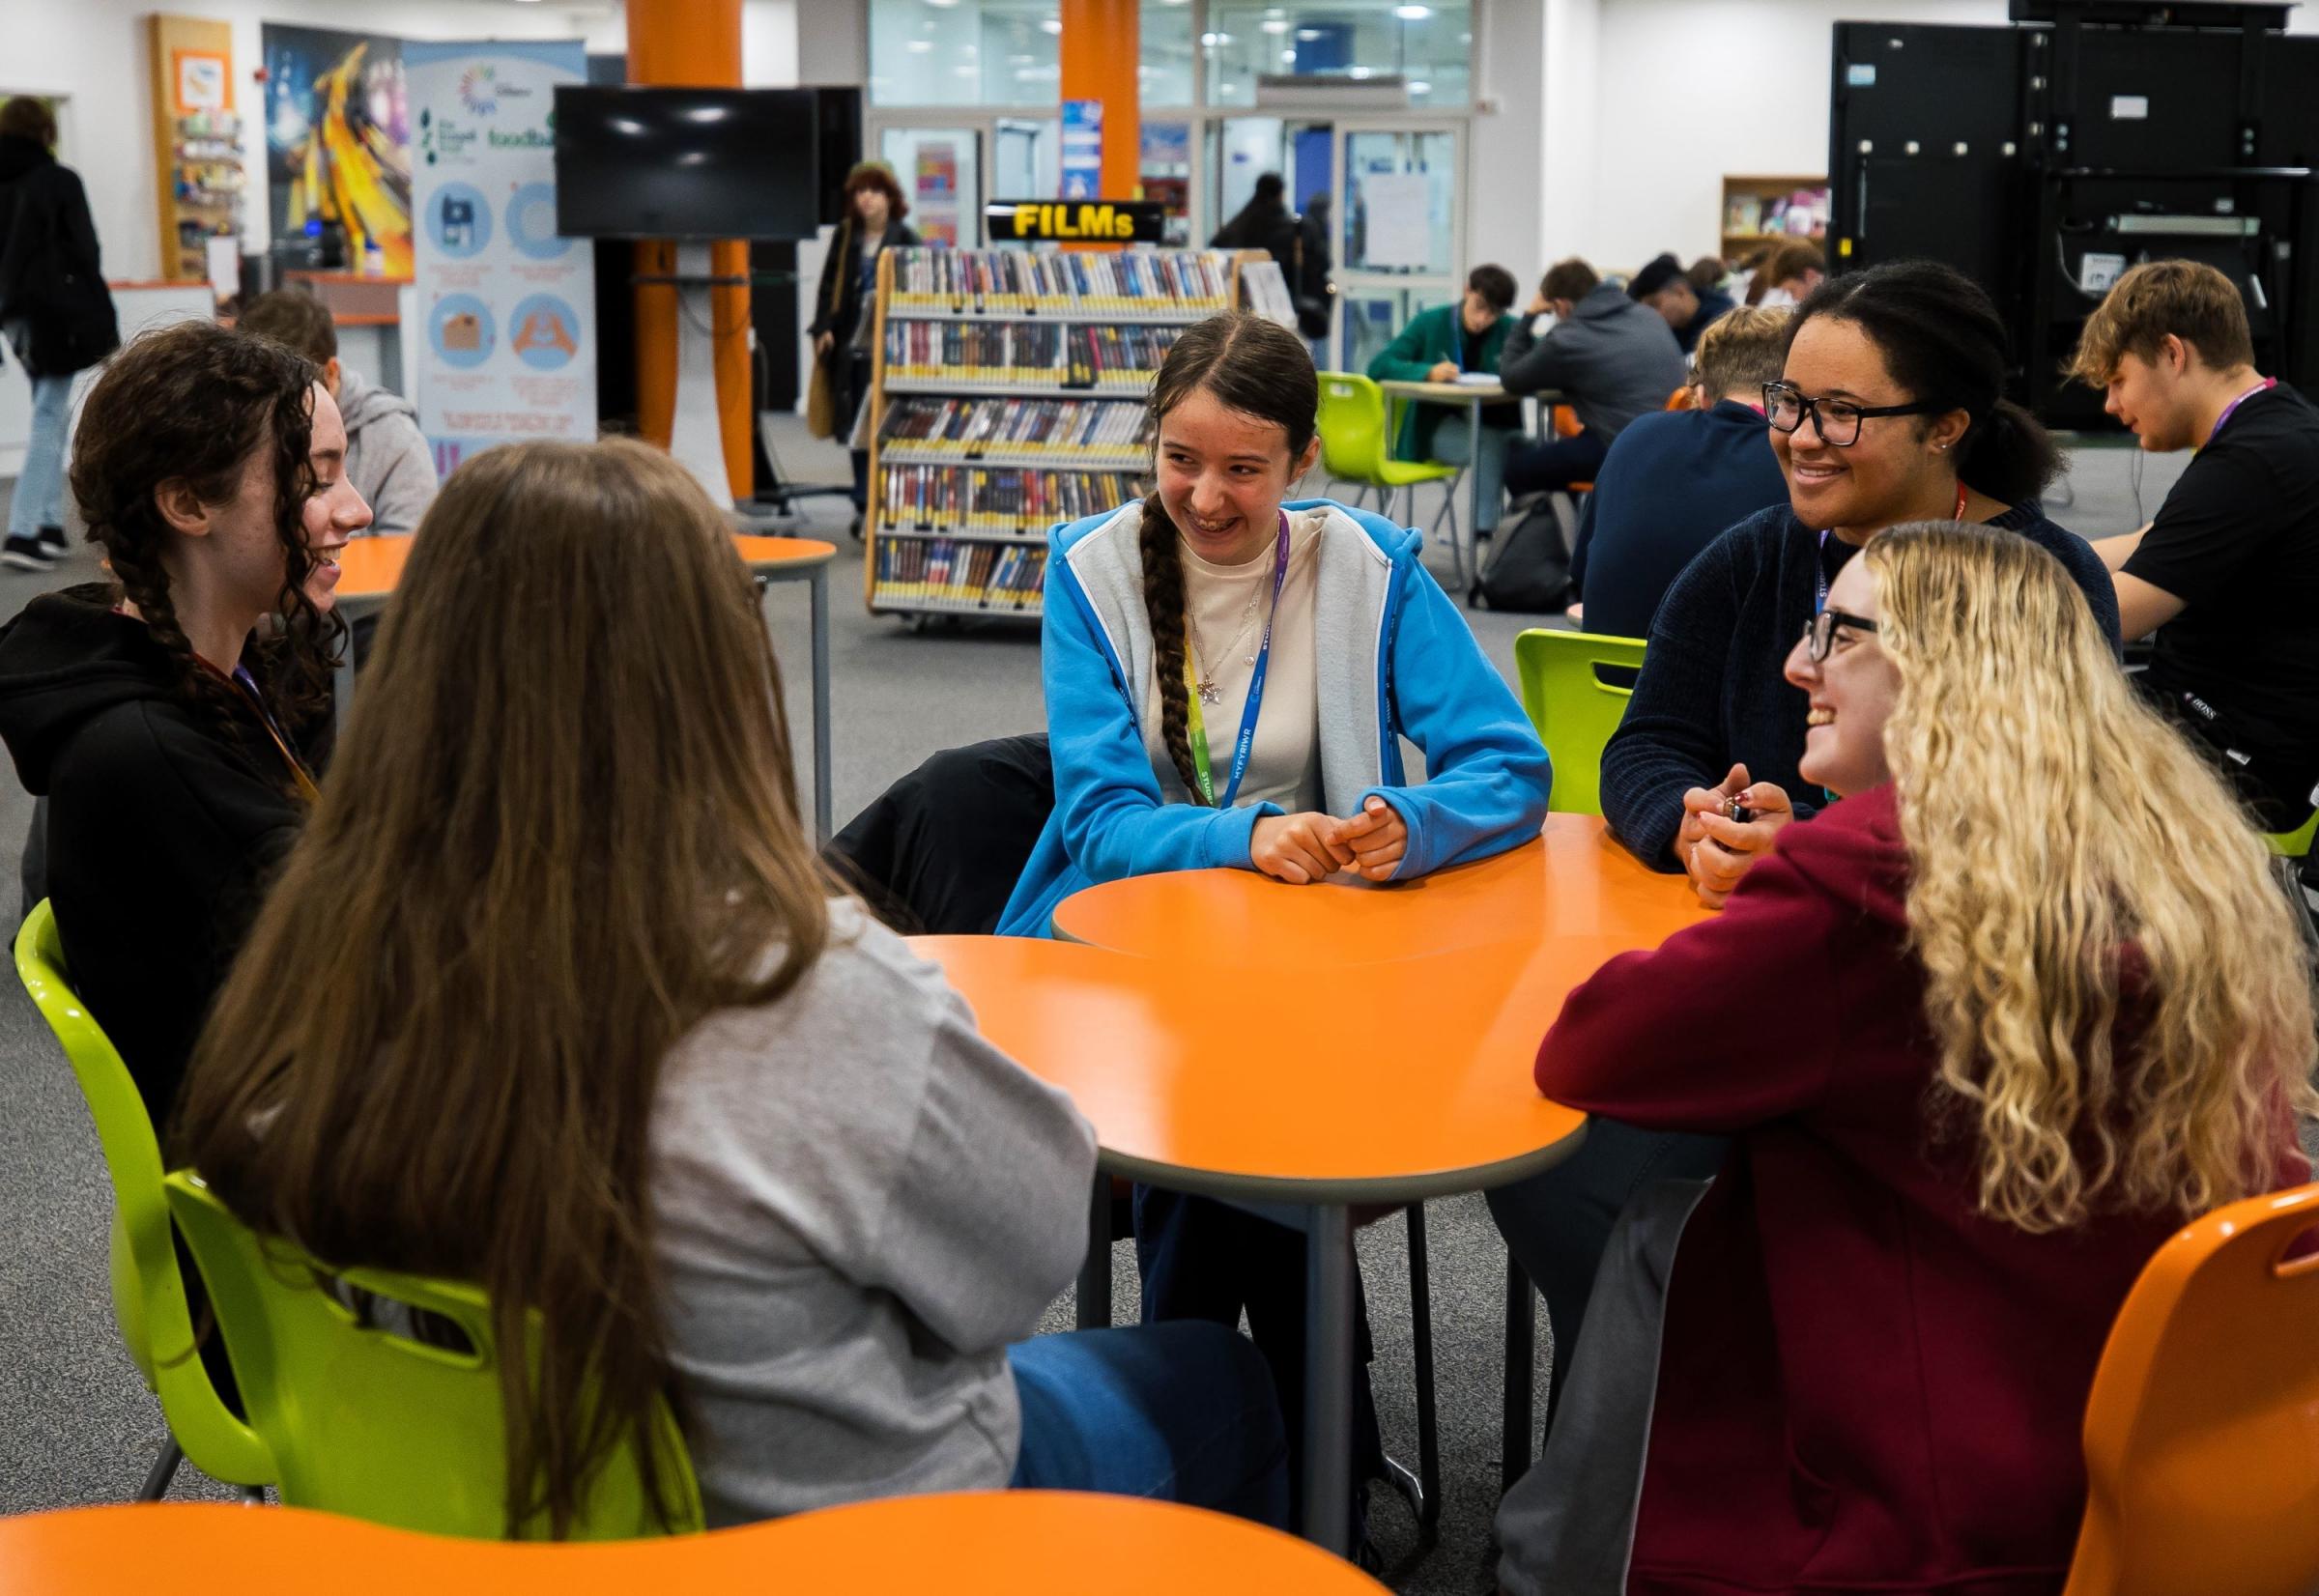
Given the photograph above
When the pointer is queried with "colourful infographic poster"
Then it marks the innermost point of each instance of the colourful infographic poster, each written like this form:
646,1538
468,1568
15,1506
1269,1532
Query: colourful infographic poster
507,351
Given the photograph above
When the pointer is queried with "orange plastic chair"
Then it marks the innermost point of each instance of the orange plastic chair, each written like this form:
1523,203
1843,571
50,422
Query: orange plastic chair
2202,1431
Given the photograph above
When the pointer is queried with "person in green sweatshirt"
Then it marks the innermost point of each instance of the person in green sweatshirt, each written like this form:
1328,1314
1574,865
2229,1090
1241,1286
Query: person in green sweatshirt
1437,346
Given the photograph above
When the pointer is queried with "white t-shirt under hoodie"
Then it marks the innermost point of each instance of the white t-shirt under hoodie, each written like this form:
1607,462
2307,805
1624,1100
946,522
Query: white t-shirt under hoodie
1284,765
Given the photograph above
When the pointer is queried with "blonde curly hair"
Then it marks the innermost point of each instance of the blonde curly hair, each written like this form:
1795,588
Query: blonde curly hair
2072,857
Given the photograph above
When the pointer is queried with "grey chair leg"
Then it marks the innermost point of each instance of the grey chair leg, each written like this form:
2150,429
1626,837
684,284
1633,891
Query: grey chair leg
162,1472
1429,1435
253,1495
1521,1365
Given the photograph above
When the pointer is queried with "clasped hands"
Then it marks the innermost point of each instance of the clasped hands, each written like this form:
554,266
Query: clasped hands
1714,849
1304,848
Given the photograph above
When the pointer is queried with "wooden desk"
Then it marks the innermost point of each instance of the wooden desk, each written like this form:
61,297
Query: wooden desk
1402,1083
1573,884
1015,1542
1473,397
369,569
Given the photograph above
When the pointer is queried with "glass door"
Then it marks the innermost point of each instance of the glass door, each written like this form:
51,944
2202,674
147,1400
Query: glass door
941,170
1400,234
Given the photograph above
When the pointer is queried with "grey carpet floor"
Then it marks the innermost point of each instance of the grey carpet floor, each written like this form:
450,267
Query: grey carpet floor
77,1427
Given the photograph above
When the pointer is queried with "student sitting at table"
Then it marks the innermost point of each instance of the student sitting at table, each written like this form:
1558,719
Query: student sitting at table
514,1016
157,712
1610,359
1228,682
1441,345
1983,1035
1674,481
1890,410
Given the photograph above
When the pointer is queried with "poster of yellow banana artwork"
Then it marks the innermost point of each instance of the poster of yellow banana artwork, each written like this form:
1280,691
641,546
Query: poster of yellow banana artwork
338,146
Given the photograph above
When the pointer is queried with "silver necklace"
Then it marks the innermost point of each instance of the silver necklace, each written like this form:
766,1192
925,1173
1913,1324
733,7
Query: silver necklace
1205,674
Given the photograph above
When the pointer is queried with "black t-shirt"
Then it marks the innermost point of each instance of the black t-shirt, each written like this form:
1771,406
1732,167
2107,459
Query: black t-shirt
2238,542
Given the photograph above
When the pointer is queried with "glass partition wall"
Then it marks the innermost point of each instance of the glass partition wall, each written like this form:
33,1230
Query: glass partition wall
962,102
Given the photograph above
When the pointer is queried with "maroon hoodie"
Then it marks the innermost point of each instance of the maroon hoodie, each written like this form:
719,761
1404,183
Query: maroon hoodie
1864,1383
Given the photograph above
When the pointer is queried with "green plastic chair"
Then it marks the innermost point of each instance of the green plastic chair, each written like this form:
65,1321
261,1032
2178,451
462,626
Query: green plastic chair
1574,710
2296,844
1353,447
149,1294
367,1421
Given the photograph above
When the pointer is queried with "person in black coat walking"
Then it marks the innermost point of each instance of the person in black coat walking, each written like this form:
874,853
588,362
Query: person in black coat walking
54,309
845,321
1264,223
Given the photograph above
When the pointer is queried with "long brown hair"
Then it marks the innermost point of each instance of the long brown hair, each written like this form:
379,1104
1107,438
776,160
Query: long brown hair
193,403
560,829
1260,369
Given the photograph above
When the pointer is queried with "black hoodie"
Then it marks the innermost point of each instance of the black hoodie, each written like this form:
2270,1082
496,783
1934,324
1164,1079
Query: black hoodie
165,822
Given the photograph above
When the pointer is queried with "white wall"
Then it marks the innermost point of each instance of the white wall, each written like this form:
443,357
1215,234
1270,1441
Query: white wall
1689,90
93,52
1501,215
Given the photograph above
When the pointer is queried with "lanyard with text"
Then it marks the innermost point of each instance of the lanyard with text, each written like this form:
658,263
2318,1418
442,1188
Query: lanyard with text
2231,409
1820,569
249,684
1246,741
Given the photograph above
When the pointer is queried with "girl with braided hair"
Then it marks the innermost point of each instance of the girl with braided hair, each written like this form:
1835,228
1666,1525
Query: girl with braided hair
1229,678
157,712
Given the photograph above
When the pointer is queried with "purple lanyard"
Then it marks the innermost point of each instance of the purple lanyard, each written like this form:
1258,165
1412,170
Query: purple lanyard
2232,409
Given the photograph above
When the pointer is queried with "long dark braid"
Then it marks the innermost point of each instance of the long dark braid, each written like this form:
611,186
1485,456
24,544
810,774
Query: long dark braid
1260,369
193,404
1164,604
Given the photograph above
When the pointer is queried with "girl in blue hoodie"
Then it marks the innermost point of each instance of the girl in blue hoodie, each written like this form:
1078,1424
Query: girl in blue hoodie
1229,678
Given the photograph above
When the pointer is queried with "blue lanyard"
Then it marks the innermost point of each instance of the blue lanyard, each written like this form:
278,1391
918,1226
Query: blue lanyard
1245,745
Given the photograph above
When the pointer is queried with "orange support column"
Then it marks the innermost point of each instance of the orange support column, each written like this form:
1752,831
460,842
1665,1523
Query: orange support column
691,45
1101,47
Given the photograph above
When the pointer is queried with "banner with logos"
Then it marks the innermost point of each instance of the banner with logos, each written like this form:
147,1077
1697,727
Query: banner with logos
507,308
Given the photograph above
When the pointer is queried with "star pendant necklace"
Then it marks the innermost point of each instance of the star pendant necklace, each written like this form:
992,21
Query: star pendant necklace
1205,673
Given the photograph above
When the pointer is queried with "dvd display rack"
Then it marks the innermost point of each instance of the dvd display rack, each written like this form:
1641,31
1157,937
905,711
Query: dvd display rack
1009,391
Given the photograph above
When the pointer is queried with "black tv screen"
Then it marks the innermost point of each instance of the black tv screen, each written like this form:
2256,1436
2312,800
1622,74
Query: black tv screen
685,164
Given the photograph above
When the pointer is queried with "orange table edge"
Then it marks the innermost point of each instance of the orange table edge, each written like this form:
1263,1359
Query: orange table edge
1007,1542
370,567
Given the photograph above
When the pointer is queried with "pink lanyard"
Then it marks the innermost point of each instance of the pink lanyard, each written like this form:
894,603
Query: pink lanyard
2231,409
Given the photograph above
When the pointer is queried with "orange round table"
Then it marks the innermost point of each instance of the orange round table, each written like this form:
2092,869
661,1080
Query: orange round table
1330,1093
1574,882
370,567
1524,927
1011,1543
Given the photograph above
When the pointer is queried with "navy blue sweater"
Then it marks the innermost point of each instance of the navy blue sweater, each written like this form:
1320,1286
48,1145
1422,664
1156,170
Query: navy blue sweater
1710,693
1669,487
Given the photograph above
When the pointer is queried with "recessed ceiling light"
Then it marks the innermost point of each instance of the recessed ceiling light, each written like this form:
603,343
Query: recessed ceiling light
1308,35
1051,25
1413,13
1274,25
1421,88
1216,41
922,46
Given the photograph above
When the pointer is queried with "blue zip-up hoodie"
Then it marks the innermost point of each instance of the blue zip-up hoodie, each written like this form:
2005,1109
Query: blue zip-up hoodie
1393,659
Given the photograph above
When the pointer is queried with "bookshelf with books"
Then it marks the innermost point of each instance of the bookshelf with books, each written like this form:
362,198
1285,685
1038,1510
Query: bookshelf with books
1009,391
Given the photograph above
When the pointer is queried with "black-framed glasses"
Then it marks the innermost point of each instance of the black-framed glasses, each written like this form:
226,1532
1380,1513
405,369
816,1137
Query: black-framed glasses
1820,632
1836,421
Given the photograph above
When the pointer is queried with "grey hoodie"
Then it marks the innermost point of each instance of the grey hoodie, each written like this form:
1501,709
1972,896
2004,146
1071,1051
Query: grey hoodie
386,456
1612,360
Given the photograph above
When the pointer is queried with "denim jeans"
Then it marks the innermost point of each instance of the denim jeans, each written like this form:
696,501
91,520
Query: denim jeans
1182,1411
1533,468
39,496
1453,446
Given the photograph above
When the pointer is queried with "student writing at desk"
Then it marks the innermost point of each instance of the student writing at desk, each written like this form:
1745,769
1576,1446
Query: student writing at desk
1441,345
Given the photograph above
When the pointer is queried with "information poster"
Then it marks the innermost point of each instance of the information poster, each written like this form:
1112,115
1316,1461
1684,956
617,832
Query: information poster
1083,148
507,342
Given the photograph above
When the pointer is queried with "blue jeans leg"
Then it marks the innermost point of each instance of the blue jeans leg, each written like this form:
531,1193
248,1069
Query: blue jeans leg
1182,1411
40,496
1452,445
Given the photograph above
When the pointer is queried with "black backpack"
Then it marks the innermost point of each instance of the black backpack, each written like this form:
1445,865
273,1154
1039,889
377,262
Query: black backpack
1529,569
